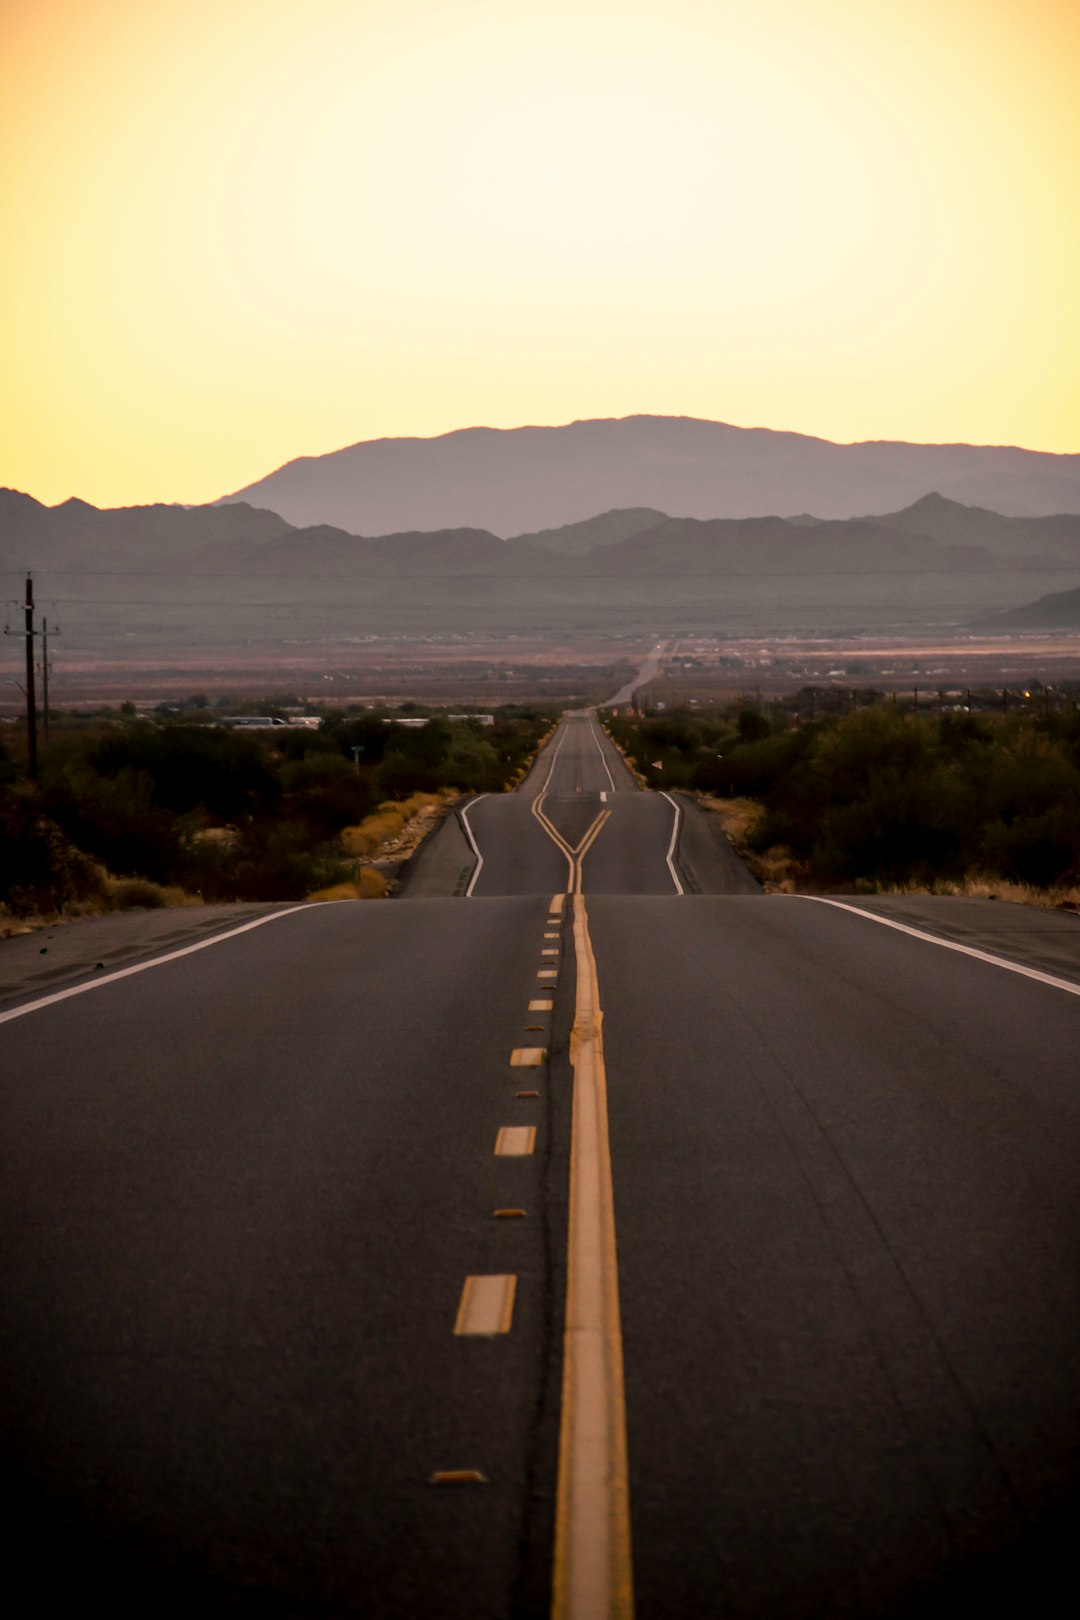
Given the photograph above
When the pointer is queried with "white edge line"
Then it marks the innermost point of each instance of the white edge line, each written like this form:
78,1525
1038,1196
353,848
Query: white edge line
671,847
157,961
946,944
554,761
600,751
475,846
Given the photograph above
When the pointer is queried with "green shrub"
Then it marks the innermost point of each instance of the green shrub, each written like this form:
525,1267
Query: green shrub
40,871
190,767
132,893
115,820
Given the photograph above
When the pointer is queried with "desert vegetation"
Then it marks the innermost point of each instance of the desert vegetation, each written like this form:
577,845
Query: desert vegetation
881,798
152,811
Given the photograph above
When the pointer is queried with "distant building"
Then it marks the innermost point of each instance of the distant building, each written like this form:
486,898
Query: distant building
268,722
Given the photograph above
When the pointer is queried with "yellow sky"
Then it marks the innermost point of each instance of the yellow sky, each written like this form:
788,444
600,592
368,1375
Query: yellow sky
237,231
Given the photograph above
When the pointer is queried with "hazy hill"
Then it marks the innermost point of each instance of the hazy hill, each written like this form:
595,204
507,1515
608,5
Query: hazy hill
76,534
575,539
772,546
168,577
955,524
1058,611
524,480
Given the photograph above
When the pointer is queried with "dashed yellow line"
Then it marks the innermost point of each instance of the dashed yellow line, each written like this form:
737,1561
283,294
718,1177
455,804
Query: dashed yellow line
515,1141
486,1307
528,1057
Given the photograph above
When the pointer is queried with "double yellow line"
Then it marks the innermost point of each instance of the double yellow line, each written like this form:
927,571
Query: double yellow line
575,855
592,1577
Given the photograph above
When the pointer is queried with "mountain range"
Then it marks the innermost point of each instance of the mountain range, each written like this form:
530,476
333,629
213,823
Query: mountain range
533,479
218,573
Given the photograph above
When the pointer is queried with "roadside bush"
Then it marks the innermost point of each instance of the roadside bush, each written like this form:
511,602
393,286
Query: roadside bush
190,767
206,812
472,764
40,870
116,820
1042,849
881,796
324,792
900,829
132,893
275,862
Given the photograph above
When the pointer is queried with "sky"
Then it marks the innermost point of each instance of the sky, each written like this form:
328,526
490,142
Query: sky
239,231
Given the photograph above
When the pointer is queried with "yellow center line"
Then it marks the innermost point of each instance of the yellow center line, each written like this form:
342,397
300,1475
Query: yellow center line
587,843
575,854
537,810
593,1575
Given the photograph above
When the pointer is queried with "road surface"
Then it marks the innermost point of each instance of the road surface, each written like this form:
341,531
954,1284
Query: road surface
301,1318
645,674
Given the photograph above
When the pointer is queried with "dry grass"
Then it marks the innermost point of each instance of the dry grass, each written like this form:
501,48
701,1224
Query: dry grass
777,870
383,831
738,817
780,872
115,894
982,887
368,885
390,834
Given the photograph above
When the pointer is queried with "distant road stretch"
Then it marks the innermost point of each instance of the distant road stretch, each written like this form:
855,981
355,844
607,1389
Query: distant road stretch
584,1232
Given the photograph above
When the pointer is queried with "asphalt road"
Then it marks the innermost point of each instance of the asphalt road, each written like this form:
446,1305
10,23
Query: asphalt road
832,1149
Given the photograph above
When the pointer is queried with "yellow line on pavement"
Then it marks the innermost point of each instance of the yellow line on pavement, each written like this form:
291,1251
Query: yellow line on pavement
515,1141
537,810
576,854
486,1306
587,843
593,1574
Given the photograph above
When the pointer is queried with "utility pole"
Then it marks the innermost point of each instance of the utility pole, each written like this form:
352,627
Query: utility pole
45,672
31,700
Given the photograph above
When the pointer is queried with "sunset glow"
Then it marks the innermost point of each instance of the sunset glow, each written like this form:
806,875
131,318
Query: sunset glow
237,233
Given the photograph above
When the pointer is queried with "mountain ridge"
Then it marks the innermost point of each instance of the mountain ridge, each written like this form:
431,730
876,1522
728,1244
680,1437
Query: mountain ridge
533,479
